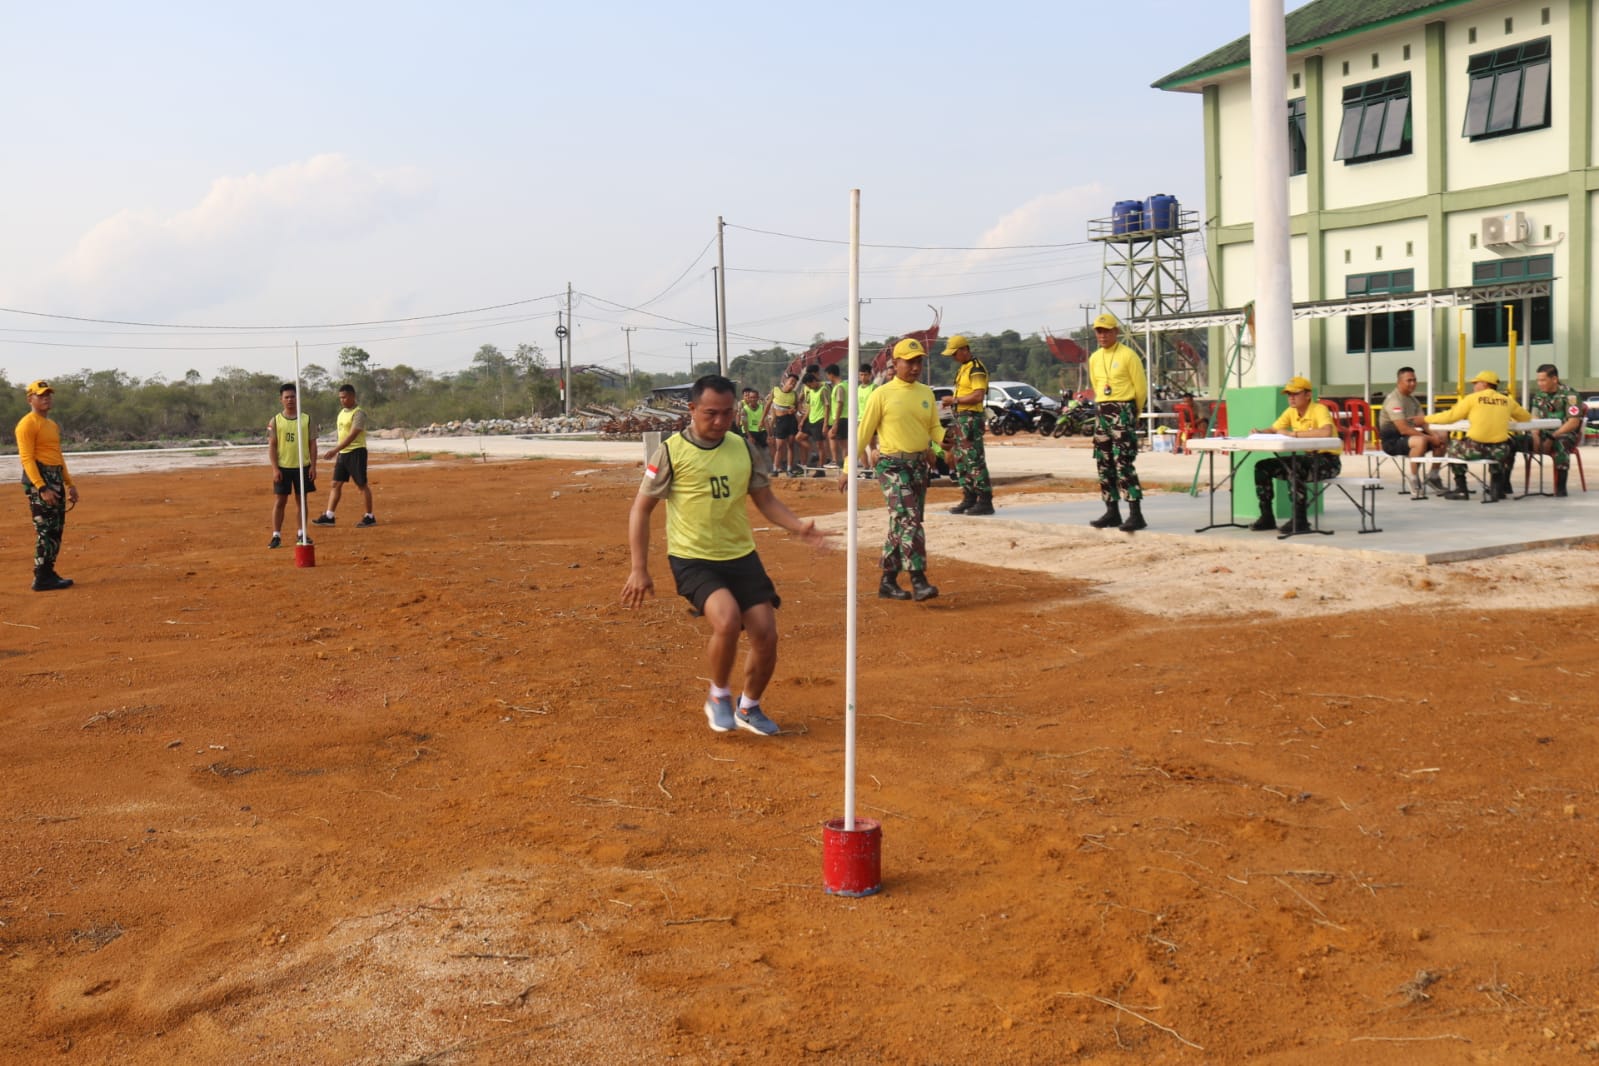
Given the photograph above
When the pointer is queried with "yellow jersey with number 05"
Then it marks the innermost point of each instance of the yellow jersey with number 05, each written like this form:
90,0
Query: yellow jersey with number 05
290,456
705,515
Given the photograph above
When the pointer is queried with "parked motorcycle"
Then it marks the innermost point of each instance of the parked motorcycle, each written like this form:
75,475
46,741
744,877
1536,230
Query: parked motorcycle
1077,419
1020,415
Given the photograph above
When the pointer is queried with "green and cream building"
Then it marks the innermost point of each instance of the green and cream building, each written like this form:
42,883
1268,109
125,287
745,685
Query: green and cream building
1432,146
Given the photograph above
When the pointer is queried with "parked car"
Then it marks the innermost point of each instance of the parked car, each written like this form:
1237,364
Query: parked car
1002,395
946,415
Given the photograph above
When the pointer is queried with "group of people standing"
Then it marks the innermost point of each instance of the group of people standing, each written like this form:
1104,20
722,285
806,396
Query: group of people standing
291,453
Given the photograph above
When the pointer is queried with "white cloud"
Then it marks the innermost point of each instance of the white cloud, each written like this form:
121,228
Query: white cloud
229,244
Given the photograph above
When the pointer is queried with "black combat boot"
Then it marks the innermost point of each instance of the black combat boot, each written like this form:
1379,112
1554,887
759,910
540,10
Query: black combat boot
1135,517
1299,523
889,588
1111,517
1265,523
1460,491
1560,480
967,500
921,589
984,504
45,579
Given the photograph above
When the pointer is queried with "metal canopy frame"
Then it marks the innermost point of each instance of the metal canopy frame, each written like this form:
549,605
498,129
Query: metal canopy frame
1432,299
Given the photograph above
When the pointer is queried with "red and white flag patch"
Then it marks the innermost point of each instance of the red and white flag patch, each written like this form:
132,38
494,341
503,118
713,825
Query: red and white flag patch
651,470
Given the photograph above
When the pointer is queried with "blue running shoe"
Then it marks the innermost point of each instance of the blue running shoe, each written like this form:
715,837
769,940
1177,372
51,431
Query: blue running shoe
755,720
719,712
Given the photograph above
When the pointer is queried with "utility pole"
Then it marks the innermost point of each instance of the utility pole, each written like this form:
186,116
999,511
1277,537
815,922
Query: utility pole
627,333
721,300
569,327
690,346
721,367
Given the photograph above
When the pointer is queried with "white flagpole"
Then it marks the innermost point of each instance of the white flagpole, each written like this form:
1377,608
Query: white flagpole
851,577
299,438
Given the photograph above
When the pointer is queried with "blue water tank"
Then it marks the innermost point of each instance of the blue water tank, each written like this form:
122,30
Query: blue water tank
1121,213
1160,212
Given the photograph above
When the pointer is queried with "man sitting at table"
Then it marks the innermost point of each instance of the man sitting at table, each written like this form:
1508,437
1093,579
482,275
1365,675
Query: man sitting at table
1554,400
1304,418
1402,430
1489,413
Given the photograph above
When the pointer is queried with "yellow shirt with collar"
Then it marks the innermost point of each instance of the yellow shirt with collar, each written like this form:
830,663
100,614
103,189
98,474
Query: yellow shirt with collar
1316,416
39,443
1117,375
971,377
904,415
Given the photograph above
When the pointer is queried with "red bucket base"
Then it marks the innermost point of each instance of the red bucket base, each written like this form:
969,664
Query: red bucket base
305,555
852,860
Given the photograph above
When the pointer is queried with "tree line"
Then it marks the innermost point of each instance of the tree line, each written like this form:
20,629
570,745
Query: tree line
112,407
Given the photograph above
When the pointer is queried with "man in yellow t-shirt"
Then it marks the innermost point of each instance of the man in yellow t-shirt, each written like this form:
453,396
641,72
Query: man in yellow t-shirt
1304,418
813,422
291,451
1117,376
904,414
968,399
705,473
1489,413
349,458
47,483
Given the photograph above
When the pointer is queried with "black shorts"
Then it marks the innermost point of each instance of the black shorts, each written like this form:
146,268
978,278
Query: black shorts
758,437
1394,444
840,430
814,430
784,426
350,466
290,482
744,577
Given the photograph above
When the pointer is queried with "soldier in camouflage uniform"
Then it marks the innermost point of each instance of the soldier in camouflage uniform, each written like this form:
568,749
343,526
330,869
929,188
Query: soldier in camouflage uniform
1489,413
1555,400
971,461
904,415
1117,375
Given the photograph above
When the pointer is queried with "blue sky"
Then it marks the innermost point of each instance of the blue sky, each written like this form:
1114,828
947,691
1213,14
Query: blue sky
298,165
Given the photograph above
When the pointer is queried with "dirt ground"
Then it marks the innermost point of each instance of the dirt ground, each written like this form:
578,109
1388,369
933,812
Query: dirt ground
441,800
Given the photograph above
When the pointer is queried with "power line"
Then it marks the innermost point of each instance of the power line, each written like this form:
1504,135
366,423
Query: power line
262,329
912,247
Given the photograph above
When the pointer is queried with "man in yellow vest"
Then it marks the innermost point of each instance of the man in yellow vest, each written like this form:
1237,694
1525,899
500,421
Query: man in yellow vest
704,474
47,483
969,399
291,442
349,458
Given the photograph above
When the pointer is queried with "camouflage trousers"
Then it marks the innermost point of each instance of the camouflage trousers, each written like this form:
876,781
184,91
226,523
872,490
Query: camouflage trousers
903,480
1503,453
1115,450
1560,447
971,463
49,520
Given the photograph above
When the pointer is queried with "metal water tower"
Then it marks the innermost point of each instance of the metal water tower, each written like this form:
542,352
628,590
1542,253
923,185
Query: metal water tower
1146,275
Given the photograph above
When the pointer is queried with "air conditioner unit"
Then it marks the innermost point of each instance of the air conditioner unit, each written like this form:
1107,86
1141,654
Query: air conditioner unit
1500,230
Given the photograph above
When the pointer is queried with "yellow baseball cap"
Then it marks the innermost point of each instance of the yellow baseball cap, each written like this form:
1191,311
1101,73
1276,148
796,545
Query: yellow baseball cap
1489,376
40,387
909,348
1297,384
1107,321
956,343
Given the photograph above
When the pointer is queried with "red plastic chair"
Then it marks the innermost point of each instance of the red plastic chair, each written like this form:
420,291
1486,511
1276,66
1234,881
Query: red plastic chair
1360,427
1220,416
1340,422
1187,424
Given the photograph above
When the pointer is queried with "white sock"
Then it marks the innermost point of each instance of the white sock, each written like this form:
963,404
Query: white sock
745,703
721,693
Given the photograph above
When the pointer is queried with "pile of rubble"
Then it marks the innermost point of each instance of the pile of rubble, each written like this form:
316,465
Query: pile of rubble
611,423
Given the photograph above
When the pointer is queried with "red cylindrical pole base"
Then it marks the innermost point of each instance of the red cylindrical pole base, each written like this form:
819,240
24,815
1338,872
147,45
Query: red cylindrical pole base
852,860
305,555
